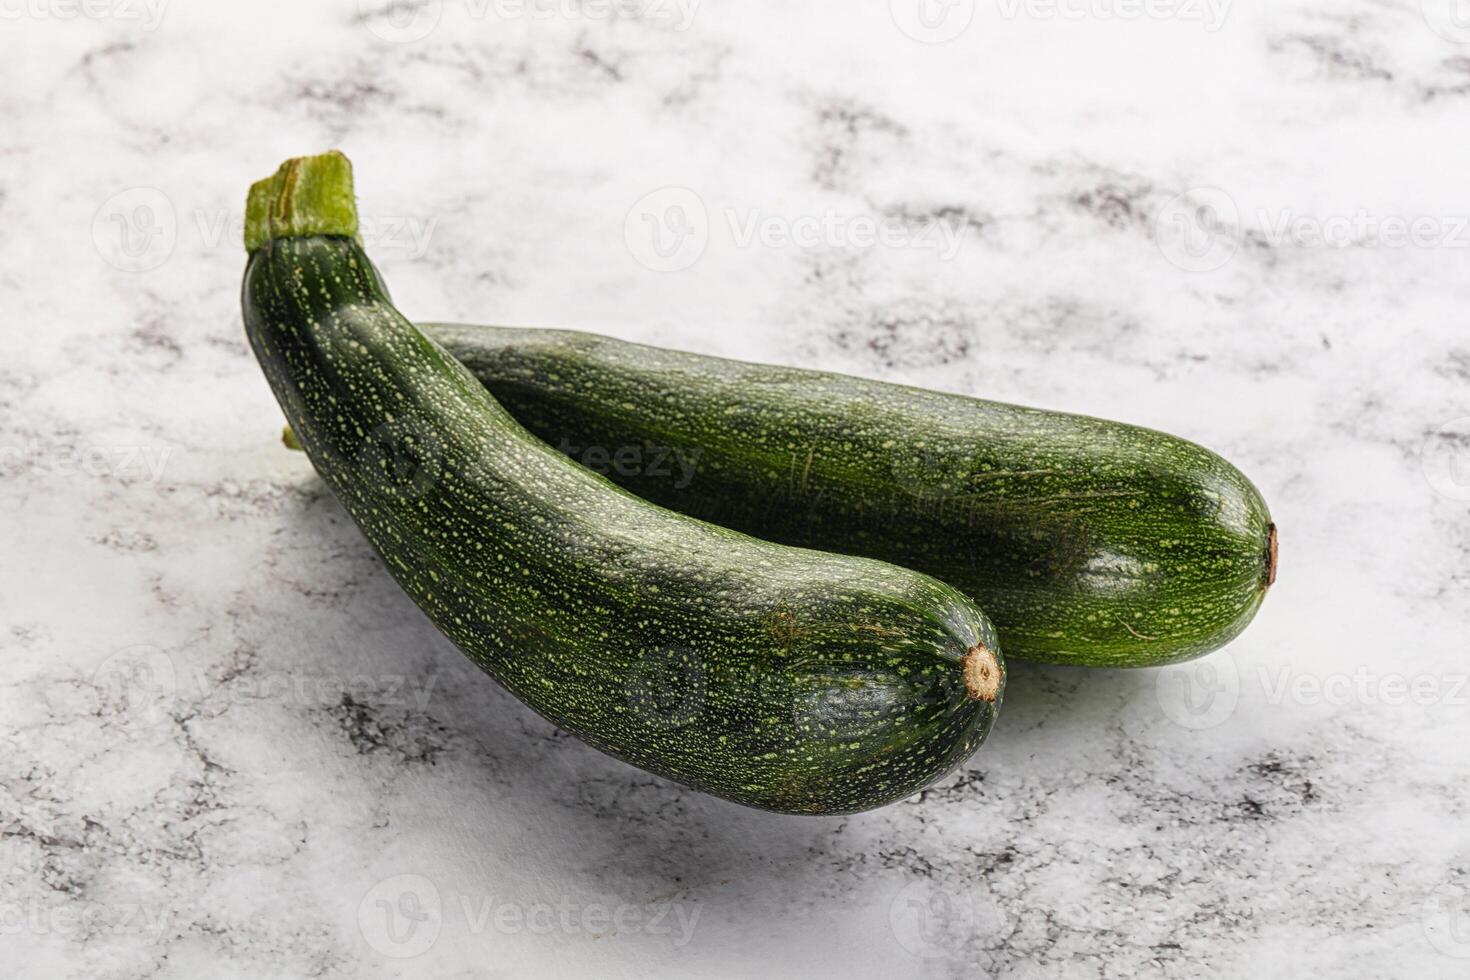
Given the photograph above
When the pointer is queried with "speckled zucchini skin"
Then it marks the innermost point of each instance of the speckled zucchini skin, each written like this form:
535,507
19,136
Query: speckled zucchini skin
1088,542
780,678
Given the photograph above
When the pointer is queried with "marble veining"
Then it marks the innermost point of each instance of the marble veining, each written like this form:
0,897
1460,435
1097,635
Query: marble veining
234,749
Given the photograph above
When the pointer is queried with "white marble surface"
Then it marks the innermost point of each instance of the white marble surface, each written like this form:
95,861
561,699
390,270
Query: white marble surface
228,737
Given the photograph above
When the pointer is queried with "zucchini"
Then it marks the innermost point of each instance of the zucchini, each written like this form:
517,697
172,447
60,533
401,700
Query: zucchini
790,680
1088,542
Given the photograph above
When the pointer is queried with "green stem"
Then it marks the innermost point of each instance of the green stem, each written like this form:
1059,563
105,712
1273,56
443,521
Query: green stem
307,196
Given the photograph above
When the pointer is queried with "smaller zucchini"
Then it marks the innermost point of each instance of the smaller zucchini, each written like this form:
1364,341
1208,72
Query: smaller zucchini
1089,542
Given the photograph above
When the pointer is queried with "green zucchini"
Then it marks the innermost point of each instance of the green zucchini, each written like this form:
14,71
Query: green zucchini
790,680
1088,542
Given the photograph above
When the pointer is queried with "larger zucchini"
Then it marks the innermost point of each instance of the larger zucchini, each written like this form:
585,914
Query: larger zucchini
784,679
1088,542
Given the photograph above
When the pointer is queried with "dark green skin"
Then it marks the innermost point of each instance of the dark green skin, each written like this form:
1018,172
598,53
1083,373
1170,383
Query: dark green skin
789,680
1088,542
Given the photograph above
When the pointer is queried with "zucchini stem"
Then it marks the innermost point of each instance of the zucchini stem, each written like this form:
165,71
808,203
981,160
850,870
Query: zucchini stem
307,196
